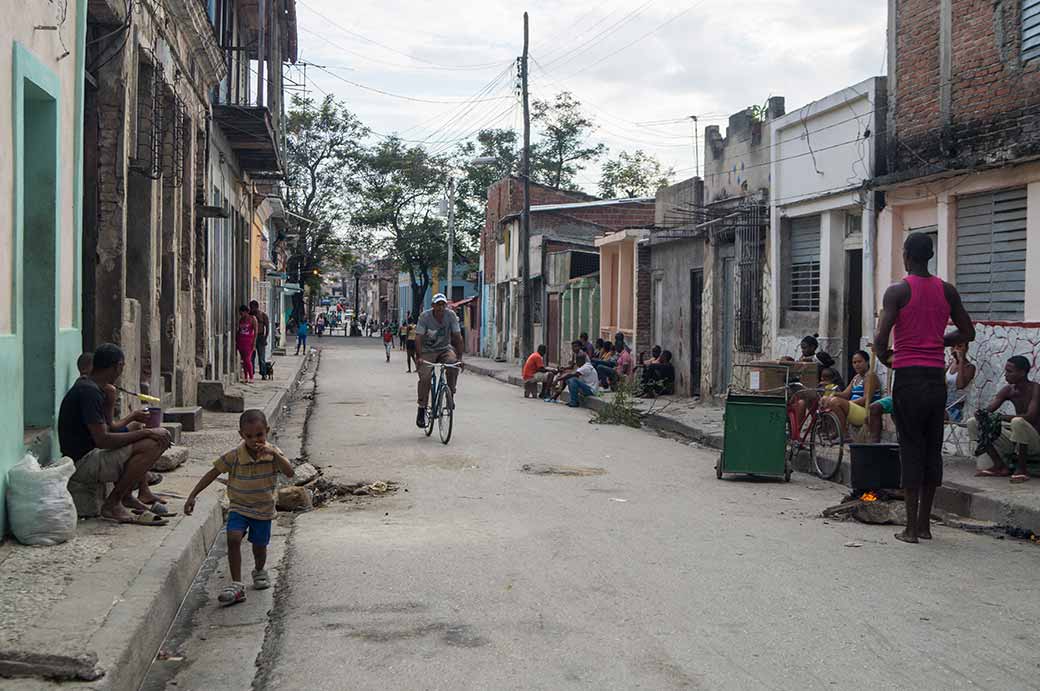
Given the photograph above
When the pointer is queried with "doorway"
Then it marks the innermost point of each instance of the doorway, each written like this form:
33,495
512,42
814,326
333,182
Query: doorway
725,355
39,216
552,330
696,337
853,305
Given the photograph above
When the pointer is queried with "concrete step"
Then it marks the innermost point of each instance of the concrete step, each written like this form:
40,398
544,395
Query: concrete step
189,417
212,396
175,430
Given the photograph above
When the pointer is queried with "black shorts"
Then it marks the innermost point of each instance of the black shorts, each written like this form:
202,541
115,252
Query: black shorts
919,407
411,346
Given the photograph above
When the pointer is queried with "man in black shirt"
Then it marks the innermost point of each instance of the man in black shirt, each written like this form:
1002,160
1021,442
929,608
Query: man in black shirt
102,455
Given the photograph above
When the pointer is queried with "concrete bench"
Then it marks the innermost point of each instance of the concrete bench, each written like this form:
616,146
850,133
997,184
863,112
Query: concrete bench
190,417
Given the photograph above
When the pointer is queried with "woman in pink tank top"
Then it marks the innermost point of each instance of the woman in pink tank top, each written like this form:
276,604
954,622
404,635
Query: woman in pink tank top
919,308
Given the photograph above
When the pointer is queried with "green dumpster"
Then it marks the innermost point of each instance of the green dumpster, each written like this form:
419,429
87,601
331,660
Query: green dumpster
755,440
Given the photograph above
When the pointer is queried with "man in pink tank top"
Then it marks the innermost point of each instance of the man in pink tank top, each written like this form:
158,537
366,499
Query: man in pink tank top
919,308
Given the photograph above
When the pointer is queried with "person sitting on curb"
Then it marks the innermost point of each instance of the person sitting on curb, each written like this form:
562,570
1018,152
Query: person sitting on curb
658,377
559,384
252,468
535,372
102,455
1010,436
581,382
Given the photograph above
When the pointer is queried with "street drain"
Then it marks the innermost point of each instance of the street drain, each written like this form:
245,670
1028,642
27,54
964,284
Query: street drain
568,470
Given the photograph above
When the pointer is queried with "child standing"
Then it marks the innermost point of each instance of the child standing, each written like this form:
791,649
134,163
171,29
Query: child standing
301,336
252,469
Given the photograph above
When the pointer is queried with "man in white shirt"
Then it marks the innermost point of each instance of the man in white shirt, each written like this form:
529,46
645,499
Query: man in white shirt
582,381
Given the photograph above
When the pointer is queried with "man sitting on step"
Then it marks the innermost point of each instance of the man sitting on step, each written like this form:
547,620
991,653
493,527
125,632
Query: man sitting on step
103,455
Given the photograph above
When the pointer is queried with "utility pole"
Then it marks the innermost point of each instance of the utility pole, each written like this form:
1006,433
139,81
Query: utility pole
451,237
696,149
526,327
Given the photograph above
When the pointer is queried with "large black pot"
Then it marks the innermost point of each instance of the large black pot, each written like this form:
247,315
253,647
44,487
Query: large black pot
875,466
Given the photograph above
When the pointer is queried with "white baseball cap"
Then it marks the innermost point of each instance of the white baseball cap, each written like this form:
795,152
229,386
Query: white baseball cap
439,297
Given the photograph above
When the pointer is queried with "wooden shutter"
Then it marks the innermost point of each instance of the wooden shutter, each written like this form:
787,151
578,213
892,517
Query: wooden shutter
805,264
991,253
1030,29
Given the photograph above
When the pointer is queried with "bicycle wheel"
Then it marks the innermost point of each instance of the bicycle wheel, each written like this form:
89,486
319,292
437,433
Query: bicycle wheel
826,445
446,408
431,410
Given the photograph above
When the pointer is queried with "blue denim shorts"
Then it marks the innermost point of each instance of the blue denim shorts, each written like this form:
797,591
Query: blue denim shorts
259,532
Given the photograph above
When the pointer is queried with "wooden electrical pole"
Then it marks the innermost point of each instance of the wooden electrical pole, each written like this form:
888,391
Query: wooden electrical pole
526,326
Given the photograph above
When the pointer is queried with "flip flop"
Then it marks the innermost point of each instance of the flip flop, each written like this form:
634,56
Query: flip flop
146,519
993,473
157,509
1018,478
154,478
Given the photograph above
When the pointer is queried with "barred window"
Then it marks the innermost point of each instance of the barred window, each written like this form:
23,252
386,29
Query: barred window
804,295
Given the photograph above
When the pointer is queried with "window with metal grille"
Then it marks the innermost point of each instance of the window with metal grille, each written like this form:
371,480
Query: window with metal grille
750,248
804,295
1030,29
991,254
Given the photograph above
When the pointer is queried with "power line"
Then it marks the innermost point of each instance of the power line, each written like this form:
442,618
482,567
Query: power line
632,43
393,95
394,50
581,47
578,35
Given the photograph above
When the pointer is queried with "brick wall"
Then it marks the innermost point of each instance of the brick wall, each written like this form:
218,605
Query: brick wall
644,308
506,197
994,102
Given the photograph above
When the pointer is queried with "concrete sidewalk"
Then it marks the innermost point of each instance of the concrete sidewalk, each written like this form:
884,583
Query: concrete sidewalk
988,499
101,604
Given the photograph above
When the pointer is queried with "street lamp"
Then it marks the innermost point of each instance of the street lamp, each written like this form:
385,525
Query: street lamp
479,161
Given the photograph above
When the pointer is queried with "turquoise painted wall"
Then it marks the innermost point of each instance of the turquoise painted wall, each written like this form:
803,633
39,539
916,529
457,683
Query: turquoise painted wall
45,339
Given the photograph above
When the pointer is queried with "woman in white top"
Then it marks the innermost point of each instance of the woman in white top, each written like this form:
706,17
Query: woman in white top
959,375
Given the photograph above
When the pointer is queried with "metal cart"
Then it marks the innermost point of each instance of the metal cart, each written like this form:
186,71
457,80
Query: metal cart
755,441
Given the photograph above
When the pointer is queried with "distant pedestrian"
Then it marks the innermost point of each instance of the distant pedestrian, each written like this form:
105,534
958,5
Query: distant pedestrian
252,474
388,341
301,336
918,309
246,341
410,346
263,326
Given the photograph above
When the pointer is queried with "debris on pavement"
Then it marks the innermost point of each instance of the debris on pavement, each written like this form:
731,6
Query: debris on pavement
568,470
293,498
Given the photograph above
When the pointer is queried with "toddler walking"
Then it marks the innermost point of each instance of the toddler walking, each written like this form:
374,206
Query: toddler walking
252,469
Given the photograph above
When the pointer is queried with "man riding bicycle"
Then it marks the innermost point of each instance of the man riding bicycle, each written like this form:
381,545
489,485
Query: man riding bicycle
438,339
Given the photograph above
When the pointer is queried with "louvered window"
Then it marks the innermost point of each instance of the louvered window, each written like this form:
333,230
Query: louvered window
1030,29
805,265
991,254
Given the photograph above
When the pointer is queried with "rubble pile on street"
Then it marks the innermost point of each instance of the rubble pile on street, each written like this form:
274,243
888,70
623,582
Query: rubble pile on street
876,508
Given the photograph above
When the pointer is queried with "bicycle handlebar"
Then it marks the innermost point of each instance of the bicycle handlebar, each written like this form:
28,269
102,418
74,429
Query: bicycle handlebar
457,365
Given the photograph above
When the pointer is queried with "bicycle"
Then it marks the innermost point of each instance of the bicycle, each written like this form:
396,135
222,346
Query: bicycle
826,440
442,402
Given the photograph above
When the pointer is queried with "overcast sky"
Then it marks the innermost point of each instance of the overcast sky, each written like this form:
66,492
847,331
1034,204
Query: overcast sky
638,66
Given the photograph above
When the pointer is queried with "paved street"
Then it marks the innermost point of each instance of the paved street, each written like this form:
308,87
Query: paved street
652,574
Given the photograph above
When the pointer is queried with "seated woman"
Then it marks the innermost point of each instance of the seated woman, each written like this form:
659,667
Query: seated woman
659,377
959,375
849,404
807,399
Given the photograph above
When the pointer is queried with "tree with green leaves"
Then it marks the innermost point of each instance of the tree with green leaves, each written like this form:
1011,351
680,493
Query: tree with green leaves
399,189
633,175
323,151
563,149
474,180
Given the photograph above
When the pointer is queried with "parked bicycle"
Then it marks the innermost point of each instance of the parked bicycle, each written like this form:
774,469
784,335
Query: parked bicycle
441,408
819,431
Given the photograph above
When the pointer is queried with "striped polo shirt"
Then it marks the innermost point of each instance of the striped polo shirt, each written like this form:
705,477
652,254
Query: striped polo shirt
251,482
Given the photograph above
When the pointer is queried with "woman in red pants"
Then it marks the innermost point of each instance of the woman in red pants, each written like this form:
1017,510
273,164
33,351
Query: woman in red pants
246,340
